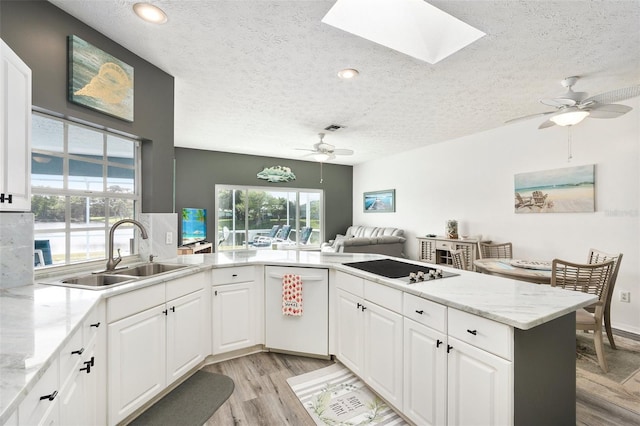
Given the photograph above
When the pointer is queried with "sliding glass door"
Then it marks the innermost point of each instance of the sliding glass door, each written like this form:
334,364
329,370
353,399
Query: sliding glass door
264,218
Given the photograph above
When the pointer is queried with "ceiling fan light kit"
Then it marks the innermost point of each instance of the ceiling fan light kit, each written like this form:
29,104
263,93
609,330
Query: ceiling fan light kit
569,118
573,107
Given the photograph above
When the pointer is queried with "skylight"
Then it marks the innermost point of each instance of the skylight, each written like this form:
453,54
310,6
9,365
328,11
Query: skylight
412,27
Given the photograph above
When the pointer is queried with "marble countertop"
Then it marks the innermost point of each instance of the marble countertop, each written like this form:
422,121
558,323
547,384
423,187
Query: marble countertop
36,320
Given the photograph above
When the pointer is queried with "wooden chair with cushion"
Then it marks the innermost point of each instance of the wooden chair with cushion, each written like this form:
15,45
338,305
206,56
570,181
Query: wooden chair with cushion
597,256
495,251
458,259
588,278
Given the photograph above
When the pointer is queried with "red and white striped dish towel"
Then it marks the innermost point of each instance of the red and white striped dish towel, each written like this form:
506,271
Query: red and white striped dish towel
292,295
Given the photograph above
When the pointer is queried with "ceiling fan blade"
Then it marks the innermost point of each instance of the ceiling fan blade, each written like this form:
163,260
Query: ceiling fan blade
615,95
546,124
608,111
526,117
343,151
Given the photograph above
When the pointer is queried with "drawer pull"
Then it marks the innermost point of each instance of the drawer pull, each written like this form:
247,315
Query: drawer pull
96,325
50,397
438,343
474,332
234,275
420,312
78,352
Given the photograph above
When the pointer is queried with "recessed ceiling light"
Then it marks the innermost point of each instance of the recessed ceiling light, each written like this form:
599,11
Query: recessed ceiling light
150,13
348,73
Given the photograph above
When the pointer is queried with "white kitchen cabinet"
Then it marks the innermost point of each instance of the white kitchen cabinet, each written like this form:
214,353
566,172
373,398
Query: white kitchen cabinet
350,331
15,132
425,374
383,352
137,361
82,372
156,335
236,309
41,405
186,334
480,386
234,316
370,335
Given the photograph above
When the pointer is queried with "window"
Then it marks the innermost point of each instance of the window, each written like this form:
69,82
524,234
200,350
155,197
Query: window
258,218
82,180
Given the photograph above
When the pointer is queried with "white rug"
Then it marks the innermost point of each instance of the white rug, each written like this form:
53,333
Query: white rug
335,396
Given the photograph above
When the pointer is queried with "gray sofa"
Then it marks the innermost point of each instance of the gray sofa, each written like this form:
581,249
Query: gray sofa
368,239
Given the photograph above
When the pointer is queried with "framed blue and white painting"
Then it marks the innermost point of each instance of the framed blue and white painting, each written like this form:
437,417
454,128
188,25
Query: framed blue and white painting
380,201
99,81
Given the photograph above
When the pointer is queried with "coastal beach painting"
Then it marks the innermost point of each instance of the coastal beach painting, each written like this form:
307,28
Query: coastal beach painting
380,201
566,190
99,81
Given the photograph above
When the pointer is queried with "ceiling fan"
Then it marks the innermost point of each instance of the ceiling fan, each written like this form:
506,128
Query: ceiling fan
573,107
323,151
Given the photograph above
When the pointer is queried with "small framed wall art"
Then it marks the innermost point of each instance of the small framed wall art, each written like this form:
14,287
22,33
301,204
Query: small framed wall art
380,201
99,81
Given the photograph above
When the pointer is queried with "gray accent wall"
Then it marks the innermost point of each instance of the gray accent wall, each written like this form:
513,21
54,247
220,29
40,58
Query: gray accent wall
198,172
37,31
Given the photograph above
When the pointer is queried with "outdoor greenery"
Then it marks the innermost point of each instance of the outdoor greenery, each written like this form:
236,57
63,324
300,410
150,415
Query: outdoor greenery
52,208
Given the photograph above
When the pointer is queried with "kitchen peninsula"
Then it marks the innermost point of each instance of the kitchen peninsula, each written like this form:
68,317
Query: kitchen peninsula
534,325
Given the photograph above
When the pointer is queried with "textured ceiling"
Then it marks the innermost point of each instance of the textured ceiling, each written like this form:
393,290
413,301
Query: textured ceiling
259,77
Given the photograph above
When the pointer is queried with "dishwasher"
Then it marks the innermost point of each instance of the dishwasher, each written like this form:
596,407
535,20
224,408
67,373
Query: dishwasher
308,333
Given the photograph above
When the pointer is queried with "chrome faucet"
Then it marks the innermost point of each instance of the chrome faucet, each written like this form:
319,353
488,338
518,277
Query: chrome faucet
111,261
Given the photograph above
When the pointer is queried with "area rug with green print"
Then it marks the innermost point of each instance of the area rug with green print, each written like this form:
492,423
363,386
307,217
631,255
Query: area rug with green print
335,396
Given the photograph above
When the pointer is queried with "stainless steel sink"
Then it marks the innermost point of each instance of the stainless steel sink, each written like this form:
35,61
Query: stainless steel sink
98,280
148,269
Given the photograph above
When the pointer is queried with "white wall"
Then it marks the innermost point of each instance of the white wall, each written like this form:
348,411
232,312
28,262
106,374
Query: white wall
471,179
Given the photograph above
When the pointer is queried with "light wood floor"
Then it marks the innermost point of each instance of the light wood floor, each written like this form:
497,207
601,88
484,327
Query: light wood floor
263,397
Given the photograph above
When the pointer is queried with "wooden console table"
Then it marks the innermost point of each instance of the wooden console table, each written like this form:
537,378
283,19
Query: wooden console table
196,248
436,250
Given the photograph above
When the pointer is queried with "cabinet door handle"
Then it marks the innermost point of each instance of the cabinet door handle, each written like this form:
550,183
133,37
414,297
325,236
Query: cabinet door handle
96,325
474,332
173,309
50,397
438,343
87,367
234,275
420,312
215,293
78,352
363,307
6,197
91,361
449,347
358,306
165,312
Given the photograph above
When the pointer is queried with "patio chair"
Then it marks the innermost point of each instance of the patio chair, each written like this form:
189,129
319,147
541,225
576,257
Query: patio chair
495,251
594,279
539,199
265,240
597,256
523,202
305,234
283,234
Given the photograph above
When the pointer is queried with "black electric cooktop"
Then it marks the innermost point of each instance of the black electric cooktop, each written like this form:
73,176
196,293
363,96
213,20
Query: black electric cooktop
390,268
